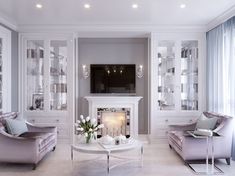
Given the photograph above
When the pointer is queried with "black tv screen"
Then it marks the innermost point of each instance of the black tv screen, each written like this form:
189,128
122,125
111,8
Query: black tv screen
113,78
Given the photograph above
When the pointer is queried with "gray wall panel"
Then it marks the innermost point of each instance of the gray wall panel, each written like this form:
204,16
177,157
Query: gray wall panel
114,51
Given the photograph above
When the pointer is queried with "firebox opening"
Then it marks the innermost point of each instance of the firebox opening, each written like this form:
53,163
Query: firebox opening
116,121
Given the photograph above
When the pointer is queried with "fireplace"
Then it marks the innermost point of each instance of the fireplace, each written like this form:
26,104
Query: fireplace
118,113
116,121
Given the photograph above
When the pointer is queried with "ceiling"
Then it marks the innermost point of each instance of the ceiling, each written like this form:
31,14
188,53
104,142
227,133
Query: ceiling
120,12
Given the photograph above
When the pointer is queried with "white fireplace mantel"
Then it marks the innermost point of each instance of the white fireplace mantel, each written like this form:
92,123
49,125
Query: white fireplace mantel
131,102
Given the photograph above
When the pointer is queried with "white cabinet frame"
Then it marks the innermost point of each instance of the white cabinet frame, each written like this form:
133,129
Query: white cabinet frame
63,118
163,116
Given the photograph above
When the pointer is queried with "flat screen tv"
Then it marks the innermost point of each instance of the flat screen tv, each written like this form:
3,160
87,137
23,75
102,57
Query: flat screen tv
117,79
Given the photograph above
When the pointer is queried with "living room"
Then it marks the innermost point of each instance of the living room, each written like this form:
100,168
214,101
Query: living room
87,90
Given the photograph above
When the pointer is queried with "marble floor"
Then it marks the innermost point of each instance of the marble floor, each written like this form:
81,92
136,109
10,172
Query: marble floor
159,160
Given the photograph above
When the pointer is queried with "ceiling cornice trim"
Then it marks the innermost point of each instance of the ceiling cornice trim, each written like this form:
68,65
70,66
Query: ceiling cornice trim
221,18
111,28
8,22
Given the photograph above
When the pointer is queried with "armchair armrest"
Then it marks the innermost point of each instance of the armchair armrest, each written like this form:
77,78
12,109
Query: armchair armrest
5,135
34,128
18,149
6,138
182,127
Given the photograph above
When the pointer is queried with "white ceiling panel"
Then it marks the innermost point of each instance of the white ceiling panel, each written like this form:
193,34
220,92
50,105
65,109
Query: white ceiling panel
151,12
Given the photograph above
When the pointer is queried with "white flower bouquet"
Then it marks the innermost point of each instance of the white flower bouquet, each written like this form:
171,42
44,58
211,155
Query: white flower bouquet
88,127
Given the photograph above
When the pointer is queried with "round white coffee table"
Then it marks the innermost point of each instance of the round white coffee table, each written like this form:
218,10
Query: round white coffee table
109,150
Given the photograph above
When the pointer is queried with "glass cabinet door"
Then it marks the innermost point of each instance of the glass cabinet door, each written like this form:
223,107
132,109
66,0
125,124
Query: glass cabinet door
35,72
189,75
58,75
1,46
166,75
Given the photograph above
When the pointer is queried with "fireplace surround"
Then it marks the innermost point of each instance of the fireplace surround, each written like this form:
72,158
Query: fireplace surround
107,108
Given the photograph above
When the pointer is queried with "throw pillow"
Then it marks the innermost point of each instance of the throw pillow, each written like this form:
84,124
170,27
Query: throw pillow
5,116
206,123
16,127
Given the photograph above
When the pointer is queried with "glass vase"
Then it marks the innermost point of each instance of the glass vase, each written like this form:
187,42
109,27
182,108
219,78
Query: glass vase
90,138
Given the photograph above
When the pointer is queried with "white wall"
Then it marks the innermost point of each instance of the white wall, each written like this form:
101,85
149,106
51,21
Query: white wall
114,51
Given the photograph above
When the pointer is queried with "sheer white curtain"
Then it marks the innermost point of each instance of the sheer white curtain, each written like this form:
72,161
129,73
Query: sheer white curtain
215,93
221,70
229,65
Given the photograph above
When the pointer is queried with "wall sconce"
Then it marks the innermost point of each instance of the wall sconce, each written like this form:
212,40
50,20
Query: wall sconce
140,71
85,71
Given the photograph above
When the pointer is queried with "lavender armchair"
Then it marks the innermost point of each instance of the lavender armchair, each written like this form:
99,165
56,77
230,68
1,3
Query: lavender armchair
190,148
29,147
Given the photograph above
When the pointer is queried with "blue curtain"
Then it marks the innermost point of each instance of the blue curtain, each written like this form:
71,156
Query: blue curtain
221,70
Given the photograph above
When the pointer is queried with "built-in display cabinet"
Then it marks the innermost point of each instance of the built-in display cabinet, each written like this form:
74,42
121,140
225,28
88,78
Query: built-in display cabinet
175,72
177,80
45,84
5,70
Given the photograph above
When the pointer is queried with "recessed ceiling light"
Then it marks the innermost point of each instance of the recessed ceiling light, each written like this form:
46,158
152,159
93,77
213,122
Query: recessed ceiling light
135,6
87,6
39,6
182,6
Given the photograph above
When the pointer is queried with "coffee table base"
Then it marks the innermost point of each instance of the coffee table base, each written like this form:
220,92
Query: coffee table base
109,156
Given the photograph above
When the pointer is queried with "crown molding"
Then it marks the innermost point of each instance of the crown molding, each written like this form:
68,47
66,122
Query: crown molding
221,18
8,22
88,28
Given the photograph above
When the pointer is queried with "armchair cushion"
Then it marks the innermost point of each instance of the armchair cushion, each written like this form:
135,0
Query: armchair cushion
206,123
16,127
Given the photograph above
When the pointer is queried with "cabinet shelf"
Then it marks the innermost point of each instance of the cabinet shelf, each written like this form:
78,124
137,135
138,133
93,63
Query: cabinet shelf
189,99
166,74
191,59
34,59
36,75
56,75
165,60
58,92
189,74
